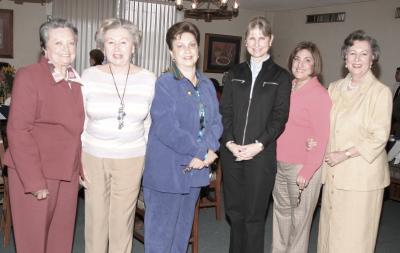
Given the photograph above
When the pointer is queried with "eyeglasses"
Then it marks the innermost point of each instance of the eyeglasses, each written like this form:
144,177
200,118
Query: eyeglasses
299,197
186,168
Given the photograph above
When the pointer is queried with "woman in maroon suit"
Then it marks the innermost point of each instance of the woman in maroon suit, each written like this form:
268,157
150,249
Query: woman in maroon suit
44,128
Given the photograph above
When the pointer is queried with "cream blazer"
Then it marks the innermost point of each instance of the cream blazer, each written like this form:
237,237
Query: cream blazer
361,119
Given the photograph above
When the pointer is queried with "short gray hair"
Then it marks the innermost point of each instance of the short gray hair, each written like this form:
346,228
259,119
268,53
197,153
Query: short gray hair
113,23
53,24
360,35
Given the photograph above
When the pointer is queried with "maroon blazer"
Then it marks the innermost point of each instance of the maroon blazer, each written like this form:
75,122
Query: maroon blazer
44,127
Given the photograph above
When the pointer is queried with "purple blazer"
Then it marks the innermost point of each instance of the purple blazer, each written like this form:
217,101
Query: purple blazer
173,137
44,127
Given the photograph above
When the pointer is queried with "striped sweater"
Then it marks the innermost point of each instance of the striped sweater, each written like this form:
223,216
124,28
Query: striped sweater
101,136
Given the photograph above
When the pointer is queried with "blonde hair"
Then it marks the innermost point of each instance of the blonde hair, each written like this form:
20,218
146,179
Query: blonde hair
114,23
261,23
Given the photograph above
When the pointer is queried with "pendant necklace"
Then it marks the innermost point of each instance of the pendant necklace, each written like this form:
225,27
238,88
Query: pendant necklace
121,112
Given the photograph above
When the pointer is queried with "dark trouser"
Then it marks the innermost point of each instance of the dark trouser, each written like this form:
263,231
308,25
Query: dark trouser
247,190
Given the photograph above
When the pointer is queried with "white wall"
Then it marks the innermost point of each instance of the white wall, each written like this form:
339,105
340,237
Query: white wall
236,27
375,17
27,19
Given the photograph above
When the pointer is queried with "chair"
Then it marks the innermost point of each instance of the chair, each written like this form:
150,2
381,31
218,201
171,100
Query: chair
5,221
139,215
1,183
194,237
215,186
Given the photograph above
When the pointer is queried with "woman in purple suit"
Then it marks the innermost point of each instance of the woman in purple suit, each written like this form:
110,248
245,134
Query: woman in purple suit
183,139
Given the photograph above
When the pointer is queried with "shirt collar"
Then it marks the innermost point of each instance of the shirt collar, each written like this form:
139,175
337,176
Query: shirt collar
258,65
178,74
365,83
72,74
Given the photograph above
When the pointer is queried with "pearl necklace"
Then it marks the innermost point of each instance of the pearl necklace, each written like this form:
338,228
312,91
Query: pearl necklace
351,87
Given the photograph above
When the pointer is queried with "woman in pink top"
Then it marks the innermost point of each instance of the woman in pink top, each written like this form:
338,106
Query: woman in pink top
298,179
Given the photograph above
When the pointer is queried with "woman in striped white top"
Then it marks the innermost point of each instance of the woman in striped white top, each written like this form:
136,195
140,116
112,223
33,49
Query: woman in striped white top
117,99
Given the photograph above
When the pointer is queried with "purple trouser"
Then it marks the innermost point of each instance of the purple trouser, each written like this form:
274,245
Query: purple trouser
168,220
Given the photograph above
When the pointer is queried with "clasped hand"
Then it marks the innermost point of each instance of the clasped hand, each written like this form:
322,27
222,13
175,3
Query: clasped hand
197,163
41,194
335,158
244,152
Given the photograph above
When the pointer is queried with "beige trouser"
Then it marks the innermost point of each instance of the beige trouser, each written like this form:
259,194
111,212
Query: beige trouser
110,202
292,223
349,220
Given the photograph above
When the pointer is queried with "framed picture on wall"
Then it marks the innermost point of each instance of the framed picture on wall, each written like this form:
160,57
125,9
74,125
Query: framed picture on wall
6,33
221,52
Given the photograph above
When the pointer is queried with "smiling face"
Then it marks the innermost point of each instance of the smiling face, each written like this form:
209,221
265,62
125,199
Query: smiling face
61,47
118,47
359,58
258,44
185,51
303,65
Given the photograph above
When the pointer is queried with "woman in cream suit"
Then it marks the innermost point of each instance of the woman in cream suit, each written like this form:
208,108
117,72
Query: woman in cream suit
356,169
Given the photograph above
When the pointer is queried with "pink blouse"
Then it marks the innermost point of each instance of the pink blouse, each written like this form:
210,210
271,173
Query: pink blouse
308,118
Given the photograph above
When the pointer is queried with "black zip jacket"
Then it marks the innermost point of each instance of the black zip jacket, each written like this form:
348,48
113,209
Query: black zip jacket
262,118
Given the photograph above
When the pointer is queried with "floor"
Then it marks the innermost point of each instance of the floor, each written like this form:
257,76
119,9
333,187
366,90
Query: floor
214,235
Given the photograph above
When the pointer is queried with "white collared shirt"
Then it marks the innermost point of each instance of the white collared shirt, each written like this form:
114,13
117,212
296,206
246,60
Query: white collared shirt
255,68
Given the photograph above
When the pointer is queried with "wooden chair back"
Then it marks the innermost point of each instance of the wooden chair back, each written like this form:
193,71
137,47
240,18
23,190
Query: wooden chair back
5,221
216,187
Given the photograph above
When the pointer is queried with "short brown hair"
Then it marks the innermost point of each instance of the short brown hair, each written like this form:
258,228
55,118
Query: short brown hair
360,35
313,49
261,23
178,29
114,23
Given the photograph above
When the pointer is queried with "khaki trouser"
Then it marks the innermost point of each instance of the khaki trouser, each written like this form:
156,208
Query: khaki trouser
110,202
292,223
349,220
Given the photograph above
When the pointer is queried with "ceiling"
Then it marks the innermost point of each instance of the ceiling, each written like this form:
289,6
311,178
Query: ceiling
283,5
30,1
264,5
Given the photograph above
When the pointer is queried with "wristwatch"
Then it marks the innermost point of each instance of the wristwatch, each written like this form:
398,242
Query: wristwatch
229,142
260,143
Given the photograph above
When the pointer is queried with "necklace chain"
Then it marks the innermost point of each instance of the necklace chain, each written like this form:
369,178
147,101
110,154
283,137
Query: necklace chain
121,112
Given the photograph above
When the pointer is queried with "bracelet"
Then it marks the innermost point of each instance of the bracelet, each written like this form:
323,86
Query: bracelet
347,153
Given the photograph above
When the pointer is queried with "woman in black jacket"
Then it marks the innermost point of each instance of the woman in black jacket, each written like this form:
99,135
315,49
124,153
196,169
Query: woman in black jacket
254,108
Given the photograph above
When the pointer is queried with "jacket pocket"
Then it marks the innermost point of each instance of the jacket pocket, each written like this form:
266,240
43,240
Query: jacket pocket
239,81
269,83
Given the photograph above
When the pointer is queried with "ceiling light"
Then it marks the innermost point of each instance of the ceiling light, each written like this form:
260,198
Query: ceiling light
209,9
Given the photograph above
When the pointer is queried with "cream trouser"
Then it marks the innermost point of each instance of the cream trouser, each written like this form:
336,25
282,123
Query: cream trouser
349,220
110,202
292,223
